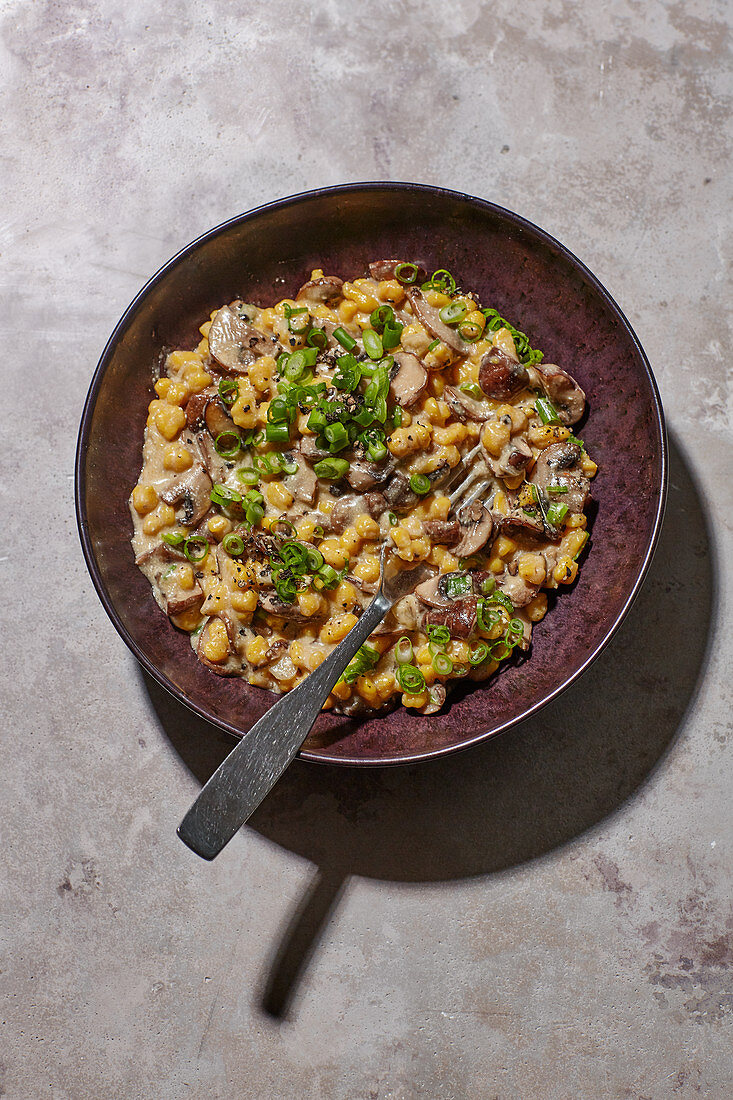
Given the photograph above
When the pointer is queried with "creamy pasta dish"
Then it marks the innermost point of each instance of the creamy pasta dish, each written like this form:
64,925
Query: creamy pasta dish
297,438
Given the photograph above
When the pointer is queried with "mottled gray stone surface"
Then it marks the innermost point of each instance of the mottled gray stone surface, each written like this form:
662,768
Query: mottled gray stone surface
546,917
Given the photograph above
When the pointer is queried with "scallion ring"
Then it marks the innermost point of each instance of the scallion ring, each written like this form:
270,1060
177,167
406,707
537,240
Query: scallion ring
442,664
233,544
227,444
406,273
373,343
196,547
478,654
228,390
453,313
224,496
410,679
403,651
420,484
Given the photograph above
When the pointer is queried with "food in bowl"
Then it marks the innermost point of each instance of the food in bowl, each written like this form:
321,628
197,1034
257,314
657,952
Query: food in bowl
295,439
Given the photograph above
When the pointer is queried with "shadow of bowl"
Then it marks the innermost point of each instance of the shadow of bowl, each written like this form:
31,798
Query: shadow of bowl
515,797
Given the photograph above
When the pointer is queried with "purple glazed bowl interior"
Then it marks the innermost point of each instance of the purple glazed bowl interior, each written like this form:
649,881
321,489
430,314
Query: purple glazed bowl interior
516,268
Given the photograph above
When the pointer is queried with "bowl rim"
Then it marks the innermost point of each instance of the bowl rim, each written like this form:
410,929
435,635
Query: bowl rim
515,220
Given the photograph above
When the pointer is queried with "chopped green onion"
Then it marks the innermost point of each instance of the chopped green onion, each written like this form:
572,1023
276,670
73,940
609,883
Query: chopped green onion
469,331
289,465
373,343
461,669
331,468
196,547
228,390
173,538
314,559
277,410
290,313
458,584
473,390
433,344
438,635
392,519
248,475
500,650
556,514
403,651
410,679
397,417
453,313
441,280
578,442
277,433
233,544
420,484
487,619
348,375
392,335
406,273
488,584
381,316
557,489
318,532
327,576
317,338
516,626
227,444
377,450
478,654
503,599
546,411
365,660
345,339
442,664
286,588
337,437
224,496
317,421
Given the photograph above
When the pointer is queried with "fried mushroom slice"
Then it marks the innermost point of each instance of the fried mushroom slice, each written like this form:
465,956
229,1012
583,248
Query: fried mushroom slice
465,407
234,343
562,390
559,466
325,289
500,376
408,379
476,527
192,490
429,317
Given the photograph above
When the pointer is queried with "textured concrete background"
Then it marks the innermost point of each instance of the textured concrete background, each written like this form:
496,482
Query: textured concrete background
545,917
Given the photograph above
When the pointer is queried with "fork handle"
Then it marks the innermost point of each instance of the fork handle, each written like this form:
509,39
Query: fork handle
252,768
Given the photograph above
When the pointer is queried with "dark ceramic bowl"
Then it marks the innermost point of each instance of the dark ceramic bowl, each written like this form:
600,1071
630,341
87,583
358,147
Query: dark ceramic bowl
515,267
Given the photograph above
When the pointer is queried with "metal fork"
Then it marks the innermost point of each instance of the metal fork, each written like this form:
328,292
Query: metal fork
476,482
252,768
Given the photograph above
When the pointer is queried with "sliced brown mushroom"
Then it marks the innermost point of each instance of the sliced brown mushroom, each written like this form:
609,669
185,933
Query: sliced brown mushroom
196,408
363,475
348,507
519,590
436,698
273,605
385,269
444,532
217,419
398,494
562,390
193,490
234,343
500,376
429,317
310,450
476,529
408,379
558,466
460,617
515,456
436,591
325,289
518,522
465,407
